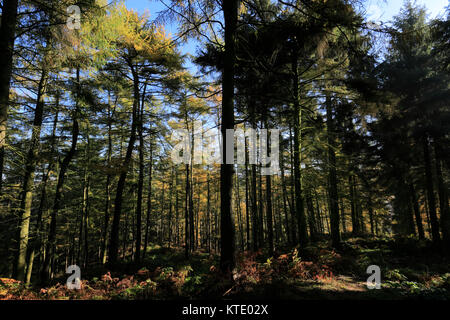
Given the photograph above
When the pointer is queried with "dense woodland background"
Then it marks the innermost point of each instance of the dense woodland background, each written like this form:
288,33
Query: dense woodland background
86,117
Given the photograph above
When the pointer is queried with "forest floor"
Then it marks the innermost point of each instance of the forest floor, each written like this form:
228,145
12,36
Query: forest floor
410,269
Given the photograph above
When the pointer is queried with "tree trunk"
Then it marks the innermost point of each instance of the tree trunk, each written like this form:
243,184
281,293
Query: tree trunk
43,199
137,257
192,235
107,191
292,190
332,178
443,197
161,219
285,199
169,218
417,215
247,200
299,205
114,240
430,191
239,215
253,189
87,185
7,36
149,202
344,227
86,221
28,180
186,215
354,215
177,229
311,217
319,213
227,243
371,217
51,241
269,203
208,212
261,211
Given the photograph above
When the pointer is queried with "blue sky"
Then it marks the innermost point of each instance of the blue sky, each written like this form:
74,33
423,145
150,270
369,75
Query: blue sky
376,10
153,7
380,10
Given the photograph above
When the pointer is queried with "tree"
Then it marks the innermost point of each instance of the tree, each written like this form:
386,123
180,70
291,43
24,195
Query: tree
197,15
7,36
410,75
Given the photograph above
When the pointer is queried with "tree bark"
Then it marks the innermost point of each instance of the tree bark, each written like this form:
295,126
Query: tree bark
208,212
430,191
43,199
7,36
186,215
299,205
332,178
137,257
107,191
253,189
311,217
354,215
114,239
292,190
417,215
443,197
269,203
28,180
285,200
169,218
247,200
149,202
51,241
227,243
